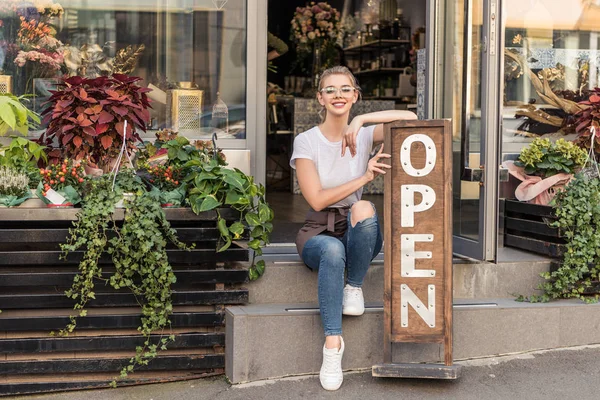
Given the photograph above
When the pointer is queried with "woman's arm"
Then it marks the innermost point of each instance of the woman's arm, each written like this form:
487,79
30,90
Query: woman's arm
379,118
319,198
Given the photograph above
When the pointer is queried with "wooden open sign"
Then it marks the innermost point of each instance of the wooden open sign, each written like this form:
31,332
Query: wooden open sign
418,245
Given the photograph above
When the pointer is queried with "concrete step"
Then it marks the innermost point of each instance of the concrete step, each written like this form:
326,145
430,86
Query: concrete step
276,340
292,282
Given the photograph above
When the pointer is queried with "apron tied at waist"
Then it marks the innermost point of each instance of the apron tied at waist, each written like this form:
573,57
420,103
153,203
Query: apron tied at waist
332,221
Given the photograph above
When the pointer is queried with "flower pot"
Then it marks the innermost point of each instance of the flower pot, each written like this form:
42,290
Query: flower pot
168,205
89,170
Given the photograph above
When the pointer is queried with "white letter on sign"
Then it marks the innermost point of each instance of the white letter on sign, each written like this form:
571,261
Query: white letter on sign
408,202
430,155
426,313
407,260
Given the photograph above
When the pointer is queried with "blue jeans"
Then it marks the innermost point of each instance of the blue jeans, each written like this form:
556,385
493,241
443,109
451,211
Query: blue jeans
332,256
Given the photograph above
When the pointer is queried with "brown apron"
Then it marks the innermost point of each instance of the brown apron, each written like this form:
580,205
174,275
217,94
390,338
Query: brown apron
330,221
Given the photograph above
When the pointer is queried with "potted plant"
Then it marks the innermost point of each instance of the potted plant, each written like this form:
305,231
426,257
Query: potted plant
14,116
14,187
24,155
62,184
544,168
588,123
87,118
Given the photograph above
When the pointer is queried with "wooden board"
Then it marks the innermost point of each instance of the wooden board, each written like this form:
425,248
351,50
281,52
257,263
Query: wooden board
418,235
417,371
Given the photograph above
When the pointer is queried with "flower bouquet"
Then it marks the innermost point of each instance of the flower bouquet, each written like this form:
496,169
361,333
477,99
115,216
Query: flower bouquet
316,28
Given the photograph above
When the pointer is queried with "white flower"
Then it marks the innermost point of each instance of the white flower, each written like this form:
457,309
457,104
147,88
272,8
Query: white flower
311,35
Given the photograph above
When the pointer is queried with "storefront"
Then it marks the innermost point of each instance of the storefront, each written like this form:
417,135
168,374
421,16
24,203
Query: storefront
468,60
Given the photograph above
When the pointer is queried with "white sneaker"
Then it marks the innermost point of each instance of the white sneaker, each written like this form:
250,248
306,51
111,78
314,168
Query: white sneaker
354,302
331,376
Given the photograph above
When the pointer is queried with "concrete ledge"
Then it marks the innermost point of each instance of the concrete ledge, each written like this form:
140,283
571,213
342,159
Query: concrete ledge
271,341
293,282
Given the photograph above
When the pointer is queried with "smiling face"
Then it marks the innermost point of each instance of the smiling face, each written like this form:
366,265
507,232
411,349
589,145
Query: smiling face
337,101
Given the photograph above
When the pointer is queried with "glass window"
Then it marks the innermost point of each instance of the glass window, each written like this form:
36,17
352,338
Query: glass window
550,63
191,53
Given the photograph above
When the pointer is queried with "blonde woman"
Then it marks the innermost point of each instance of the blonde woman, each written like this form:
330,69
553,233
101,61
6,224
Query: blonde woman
341,233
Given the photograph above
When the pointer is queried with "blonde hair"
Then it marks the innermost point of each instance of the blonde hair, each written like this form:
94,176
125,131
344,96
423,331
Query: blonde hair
337,70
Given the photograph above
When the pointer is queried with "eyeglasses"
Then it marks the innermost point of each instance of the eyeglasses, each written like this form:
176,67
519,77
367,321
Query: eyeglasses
345,91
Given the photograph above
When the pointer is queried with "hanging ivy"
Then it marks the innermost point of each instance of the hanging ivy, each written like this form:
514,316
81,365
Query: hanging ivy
578,219
139,253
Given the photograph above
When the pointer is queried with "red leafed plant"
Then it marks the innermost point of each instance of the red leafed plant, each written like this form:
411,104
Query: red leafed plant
86,117
586,119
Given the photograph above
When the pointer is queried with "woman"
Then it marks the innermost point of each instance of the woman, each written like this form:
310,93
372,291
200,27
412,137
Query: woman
341,232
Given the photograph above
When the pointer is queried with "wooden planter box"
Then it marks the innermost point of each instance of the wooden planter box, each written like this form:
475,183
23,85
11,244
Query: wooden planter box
32,284
526,228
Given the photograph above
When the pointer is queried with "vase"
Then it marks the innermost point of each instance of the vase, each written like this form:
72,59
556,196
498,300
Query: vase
317,65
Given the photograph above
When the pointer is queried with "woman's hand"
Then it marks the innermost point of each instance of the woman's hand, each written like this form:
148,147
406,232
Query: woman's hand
375,167
349,136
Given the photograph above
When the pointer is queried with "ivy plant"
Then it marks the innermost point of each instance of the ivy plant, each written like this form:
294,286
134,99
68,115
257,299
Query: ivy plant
578,219
138,252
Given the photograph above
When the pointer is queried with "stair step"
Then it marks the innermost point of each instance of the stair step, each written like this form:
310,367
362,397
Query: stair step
55,300
293,282
98,343
37,384
482,328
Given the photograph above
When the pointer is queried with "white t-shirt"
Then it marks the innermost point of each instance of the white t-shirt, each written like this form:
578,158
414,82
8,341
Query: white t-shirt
335,170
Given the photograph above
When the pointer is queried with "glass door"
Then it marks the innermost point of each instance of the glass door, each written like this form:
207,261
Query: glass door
467,93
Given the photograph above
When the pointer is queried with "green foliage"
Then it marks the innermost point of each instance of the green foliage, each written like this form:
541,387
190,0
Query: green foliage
211,185
14,116
138,251
23,155
87,117
578,213
544,158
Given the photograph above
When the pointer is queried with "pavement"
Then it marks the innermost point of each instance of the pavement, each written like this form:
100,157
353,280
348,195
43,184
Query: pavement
571,373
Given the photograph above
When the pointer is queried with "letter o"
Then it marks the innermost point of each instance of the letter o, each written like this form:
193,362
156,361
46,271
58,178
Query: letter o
430,155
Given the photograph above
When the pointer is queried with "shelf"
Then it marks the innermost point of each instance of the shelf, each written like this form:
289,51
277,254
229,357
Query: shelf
377,45
379,71
396,98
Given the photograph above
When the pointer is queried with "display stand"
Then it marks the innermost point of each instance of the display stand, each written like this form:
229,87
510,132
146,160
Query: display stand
418,245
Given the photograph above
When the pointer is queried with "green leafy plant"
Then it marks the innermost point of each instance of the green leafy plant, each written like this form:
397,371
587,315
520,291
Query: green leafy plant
138,251
212,185
24,155
87,117
578,218
14,116
544,158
